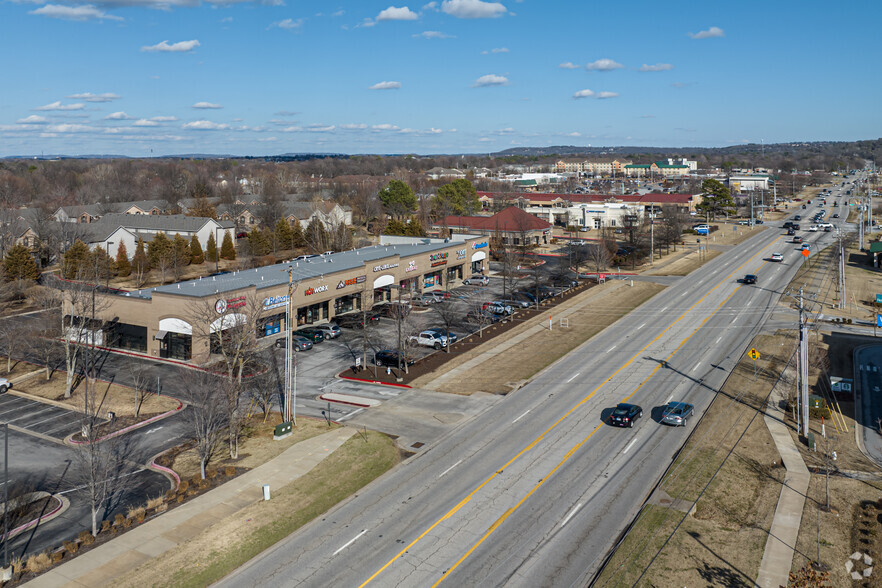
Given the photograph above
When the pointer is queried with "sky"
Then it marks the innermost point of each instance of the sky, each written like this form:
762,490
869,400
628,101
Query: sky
161,77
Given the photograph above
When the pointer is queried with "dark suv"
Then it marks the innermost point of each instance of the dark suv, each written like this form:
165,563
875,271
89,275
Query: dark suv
388,357
355,320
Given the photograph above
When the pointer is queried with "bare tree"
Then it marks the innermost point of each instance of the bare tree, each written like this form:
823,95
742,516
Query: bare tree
449,315
142,384
41,341
12,338
207,417
598,256
267,386
80,330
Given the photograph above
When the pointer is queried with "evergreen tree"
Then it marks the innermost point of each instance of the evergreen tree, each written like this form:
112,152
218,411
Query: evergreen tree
211,249
457,197
182,254
284,234
140,263
196,255
101,265
228,250
415,228
75,261
395,227
159,250
398,199
20,265
123,267
258,243
298,239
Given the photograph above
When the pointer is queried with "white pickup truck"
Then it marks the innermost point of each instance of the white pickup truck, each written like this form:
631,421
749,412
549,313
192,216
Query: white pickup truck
5,385
429,339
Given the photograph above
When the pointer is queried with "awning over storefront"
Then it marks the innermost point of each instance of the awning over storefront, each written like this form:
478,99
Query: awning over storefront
160,335
478,256
175,325
386,280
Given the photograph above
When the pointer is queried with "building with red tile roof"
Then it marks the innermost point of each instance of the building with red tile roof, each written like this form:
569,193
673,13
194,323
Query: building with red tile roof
512,224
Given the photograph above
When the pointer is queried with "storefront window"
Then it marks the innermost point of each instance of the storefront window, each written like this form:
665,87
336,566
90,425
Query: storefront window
270,325
453,274
313,313
176,346
432,280
383,294
348,303
123,336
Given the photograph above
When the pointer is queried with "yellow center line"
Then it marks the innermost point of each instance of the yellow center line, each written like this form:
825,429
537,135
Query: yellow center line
536,441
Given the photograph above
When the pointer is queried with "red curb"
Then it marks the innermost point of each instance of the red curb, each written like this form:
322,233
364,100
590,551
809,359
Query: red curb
34,522
155,466
322,397
342,377
144,423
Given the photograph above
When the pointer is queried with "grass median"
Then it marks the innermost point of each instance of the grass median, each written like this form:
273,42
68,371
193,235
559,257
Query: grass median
223,547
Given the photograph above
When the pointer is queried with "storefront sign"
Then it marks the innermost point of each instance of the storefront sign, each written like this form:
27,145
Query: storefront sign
438,259
385,266
221,306
479,245
430,281
461,254
411,267
275,301
315,290
351,282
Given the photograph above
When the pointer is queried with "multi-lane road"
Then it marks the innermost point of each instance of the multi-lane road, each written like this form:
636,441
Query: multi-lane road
535,491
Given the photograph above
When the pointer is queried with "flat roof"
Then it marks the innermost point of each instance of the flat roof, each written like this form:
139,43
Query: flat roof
272,276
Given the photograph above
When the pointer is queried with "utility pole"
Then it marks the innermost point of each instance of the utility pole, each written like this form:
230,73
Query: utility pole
290,412
803,369
651,234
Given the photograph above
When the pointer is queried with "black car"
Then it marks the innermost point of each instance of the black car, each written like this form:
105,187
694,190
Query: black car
388,357
836,215
311,333
798,217
624,415
749,279
355,320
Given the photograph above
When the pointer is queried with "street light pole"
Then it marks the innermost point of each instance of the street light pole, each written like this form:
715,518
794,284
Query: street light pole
107,282
290,371
216,252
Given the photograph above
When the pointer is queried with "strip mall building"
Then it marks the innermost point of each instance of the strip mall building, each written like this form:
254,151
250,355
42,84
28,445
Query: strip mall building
181,320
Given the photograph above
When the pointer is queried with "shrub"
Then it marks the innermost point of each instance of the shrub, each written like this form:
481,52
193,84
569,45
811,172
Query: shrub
86,538
56,556
162,507
118,520
136,514
180,498
38,563
155,502
211,473
817,413
105,525
184,486
230,471
71,547
170,495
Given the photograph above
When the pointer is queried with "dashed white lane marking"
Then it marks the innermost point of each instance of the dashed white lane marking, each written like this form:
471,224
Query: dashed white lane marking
351,541
576,375
450,468
569,516
629,446
520,417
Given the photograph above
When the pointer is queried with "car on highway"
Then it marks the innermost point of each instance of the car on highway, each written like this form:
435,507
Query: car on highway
428,339
676,413
813,229
477,280
749,279
796,239
5,385
806,246
389,357
777,257
836,215
311,333
297,342
356,320
624,415
798,217
330,330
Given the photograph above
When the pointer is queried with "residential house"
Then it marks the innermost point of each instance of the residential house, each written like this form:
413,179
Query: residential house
114,229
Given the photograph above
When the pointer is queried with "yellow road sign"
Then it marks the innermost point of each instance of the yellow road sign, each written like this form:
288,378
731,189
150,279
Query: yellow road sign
753,354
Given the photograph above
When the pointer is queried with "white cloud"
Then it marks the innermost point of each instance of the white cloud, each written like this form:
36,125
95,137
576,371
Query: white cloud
68,128
165,47
604,65
430,6
490,80
288,24
505,131
604,95
574,134
384,127
340,12
569,65
162,119
394,13
267,139
143,122
494,51
32,120
366,23
207,105
583,94
59,106
434,35
353,126
118,116
77,13
657,67
708,34
647,116
317,128
205,125
386,86
90,97
473,8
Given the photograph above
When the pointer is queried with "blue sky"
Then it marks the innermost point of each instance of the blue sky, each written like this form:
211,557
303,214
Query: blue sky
153,77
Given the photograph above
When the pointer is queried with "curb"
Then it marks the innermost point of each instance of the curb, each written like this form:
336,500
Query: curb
366,381
70,440
63,505
346,403
169,473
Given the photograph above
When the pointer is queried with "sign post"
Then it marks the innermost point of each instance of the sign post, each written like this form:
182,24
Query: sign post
754,355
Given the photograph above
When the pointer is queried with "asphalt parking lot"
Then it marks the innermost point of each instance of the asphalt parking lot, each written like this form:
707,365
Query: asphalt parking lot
38,417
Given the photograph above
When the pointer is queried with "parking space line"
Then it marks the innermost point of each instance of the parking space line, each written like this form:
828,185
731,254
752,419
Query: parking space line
31,414
49,419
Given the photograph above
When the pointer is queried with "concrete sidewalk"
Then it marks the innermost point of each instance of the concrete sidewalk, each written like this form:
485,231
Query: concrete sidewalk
104,564
778,556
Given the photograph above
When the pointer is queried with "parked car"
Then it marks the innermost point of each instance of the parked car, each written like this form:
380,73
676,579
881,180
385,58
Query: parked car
5,385
311,333
483,317
428,339
439,331
423,300
356,320
749,279
438,295
676,413
330,330
516,302
624,415
496,307
394,310
388,357
297,342
477,280
777,257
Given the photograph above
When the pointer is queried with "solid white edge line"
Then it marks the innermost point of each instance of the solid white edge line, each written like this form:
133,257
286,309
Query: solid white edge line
569,516
628,447
450,468
351,541
522,416
576,375
671,397
350,415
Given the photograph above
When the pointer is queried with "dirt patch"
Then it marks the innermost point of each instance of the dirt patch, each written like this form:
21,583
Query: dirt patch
723,542
506,363
16,368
